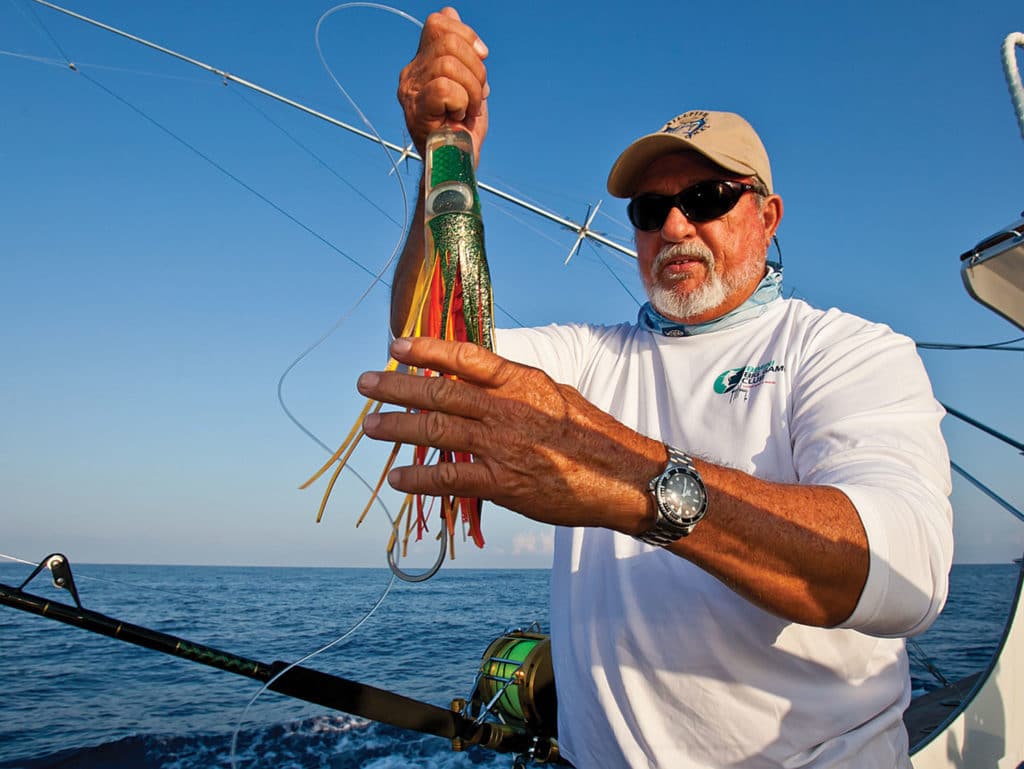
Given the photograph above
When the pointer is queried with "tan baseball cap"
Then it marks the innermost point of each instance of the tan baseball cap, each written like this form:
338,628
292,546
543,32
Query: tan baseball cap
724,138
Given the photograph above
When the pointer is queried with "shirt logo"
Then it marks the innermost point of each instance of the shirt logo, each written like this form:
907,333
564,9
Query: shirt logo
688,124
739,382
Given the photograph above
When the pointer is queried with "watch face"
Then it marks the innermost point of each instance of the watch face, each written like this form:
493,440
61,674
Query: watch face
681,496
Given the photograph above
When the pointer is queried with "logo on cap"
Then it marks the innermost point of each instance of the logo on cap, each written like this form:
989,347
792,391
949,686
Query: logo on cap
689,123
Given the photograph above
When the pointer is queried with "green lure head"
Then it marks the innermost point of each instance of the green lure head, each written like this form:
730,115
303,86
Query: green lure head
450,181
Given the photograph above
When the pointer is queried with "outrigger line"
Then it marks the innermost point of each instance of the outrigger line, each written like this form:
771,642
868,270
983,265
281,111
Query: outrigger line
582,231
457,724
970,478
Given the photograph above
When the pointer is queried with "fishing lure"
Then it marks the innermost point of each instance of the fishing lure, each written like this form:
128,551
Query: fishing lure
452,300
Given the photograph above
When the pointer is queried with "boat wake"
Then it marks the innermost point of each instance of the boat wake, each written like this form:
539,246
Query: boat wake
321,742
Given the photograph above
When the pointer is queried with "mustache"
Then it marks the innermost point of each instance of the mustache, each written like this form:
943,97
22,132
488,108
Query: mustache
687,250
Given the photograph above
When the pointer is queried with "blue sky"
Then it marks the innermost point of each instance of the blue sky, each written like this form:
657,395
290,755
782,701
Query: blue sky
149,303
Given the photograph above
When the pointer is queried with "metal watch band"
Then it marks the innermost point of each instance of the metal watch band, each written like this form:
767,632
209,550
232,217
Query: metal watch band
666,531
660,535
677,457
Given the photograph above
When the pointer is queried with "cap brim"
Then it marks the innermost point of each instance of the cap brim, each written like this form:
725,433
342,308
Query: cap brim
632,163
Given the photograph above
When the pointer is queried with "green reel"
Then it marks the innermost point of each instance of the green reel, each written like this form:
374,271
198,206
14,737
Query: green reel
516,682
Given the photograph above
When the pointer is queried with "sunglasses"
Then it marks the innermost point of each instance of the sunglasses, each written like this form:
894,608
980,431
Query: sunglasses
700,202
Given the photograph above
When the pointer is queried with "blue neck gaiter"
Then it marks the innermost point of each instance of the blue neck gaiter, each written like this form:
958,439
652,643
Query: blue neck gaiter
767,291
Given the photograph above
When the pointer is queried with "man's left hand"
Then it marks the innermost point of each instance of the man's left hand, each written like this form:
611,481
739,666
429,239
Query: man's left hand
539,448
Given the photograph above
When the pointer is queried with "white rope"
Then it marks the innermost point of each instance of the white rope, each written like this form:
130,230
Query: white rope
1012,72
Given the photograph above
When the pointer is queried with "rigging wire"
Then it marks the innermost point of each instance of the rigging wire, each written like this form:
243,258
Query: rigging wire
918,653
377,278
988,492
122,582
17,560
240,182
37,59
984,428
295,220
39,22
392,557
227,78
62,64
999,346
522,195
396,571
615,275
320,161
373,204
305,148
404,152
524,223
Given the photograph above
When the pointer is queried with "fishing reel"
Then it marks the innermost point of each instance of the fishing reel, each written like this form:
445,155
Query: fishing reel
514,691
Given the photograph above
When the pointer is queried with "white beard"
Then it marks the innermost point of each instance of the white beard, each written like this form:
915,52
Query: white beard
712,293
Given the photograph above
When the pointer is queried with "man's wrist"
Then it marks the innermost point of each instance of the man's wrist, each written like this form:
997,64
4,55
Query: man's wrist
679,499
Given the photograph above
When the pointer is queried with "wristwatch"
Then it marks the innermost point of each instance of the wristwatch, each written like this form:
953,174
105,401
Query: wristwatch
679,497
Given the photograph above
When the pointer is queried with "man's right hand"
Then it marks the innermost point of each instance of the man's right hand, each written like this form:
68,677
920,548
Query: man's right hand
446,82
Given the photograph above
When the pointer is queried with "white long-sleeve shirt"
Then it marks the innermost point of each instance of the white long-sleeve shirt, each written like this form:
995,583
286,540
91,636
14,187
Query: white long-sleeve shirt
656,662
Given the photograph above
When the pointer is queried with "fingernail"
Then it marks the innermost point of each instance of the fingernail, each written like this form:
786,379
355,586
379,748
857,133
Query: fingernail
401,346
487,90
367,381
370,421
480,47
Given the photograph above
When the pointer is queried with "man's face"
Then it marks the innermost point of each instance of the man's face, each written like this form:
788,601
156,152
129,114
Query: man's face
698,271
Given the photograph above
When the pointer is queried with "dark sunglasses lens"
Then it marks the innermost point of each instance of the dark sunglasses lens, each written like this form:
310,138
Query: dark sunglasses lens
702,202
709,200
648,213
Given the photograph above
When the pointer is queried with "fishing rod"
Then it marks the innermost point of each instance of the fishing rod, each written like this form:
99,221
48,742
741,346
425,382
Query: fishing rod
514,688
583,231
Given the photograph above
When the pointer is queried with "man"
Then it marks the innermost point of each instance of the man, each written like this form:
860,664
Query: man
750,494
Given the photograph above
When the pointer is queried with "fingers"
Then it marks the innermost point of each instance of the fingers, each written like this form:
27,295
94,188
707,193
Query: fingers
430,428
467,361
447,81
448,20
461,479
451,97
451,67
454,414
538,448
434,394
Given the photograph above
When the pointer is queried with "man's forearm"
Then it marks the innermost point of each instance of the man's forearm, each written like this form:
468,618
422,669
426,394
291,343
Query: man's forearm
410,263
544,451
798,551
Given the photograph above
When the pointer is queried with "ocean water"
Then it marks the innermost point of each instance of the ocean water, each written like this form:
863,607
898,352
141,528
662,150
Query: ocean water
74,699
